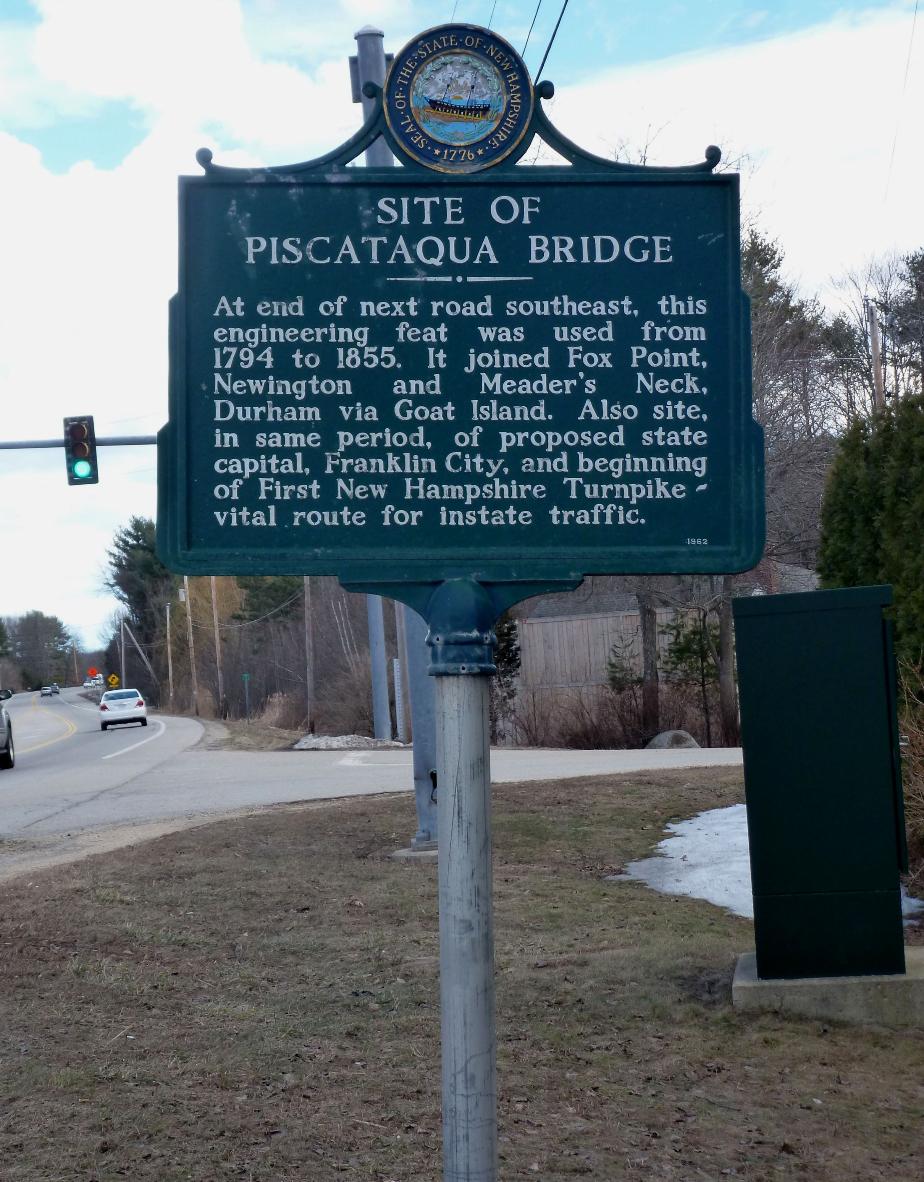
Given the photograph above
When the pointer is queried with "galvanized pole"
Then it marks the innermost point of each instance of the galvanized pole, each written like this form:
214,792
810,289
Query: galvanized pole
369,66
398,686
192,648
309,659
221,679
381,714
169,658
461,638
467,1018
405,727
423,721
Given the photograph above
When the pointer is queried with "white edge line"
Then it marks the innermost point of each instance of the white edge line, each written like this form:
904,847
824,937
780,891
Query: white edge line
140,743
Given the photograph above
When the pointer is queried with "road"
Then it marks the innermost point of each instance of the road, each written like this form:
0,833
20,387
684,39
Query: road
76,790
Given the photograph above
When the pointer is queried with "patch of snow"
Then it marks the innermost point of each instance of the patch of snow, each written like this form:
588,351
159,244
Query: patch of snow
707,858
343,743
911,906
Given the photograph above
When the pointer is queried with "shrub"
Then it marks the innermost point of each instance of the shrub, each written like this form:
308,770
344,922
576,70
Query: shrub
912,729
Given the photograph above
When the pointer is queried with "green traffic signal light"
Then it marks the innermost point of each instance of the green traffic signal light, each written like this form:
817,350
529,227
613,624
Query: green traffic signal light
80,450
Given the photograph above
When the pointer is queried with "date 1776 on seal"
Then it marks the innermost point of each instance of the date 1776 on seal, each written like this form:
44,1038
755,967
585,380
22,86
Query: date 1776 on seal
458,98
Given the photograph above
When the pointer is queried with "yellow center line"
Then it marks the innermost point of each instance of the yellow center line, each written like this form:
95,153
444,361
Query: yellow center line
69,729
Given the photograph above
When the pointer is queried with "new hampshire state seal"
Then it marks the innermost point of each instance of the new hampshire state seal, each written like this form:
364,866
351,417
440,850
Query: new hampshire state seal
458,98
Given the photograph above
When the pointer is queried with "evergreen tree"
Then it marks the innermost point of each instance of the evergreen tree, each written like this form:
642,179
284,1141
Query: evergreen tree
41,645
144,586
901,522
849,551
138,578
873,517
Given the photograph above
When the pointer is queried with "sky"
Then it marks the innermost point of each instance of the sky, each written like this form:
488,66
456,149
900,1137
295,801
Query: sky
103,103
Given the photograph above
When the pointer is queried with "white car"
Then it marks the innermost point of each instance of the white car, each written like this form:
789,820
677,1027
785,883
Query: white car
122,705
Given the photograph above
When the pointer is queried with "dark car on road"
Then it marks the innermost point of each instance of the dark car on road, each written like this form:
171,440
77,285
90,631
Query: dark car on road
7,752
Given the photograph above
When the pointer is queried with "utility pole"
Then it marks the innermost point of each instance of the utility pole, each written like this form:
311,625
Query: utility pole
309,659
876,350
221,680
422,709
400,713
122,645
192,648
405,727
381,715
169,660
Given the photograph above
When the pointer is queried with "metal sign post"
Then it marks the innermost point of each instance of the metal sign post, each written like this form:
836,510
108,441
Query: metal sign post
456,384
468,1028
462,658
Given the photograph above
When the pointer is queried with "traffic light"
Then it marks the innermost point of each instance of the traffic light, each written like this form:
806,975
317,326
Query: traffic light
80,450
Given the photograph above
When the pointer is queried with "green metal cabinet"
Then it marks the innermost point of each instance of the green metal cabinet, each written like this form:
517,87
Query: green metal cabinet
823,782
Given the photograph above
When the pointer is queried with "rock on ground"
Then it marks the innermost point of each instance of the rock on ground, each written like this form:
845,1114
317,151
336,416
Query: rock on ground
669,739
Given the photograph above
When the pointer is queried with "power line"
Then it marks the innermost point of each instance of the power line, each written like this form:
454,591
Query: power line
531,27
493,9
901,101
551,40
247,623
266,616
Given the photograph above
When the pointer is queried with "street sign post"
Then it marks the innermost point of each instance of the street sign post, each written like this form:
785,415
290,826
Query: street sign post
458,383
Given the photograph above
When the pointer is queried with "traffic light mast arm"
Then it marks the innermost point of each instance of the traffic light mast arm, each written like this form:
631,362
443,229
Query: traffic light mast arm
105,441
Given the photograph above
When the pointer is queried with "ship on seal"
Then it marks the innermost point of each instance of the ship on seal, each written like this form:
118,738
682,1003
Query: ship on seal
457,107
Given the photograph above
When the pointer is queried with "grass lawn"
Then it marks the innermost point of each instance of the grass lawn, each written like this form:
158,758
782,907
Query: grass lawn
259,1000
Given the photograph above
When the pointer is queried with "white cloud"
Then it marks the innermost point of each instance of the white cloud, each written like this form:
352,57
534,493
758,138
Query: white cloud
89,257
816,114
190,64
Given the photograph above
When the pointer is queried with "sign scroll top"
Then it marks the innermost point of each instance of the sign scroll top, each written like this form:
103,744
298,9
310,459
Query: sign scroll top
510,372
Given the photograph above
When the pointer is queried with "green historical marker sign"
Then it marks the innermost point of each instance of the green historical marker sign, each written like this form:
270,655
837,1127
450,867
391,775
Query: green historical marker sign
459,368
458,382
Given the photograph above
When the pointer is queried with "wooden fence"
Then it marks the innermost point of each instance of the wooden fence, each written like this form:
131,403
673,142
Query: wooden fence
573,651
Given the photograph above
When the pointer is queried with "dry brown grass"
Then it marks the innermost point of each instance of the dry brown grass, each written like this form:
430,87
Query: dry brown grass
259,1000
238,734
